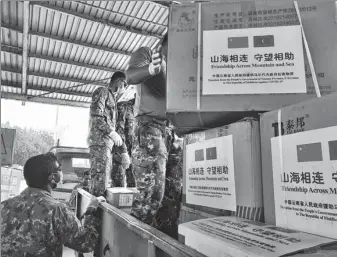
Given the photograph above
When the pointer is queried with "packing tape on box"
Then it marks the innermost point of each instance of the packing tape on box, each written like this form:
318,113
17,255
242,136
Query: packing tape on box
312,68
199,58
307,50
199,66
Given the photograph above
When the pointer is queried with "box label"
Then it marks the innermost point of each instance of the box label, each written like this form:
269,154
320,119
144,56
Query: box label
125,200
305,181
210,173
231,236
253,61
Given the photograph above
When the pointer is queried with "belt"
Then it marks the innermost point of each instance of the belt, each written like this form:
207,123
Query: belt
146,118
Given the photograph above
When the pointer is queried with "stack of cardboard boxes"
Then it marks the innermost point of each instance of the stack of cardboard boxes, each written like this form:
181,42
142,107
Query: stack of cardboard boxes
239,60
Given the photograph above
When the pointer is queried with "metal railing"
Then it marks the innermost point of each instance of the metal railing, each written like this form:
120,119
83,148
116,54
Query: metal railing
158,243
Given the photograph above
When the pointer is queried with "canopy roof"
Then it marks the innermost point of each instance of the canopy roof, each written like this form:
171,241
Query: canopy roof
60,52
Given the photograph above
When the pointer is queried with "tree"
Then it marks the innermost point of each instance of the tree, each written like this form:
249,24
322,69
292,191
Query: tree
29,142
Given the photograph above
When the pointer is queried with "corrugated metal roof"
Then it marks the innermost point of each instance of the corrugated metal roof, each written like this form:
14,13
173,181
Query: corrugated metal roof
72,43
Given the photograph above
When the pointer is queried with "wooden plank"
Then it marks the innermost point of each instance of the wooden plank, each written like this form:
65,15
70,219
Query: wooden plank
25,46
169,245
37,99
94,19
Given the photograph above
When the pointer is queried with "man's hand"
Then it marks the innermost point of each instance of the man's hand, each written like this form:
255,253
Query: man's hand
155,66
116,138
93,205
125,160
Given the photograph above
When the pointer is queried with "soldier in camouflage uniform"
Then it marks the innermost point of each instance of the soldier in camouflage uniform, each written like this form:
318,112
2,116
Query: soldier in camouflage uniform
103,137
34,224
154,134
125,128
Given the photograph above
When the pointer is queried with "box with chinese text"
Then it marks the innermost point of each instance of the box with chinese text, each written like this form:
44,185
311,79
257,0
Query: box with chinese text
299,166
222,172
121,197
252,58
235,237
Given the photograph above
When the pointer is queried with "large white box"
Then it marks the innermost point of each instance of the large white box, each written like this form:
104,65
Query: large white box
222,170
185,101
299,166
235,237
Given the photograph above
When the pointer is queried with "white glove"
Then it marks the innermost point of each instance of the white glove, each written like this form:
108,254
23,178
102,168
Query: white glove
155,65
116,138
125,160
93,204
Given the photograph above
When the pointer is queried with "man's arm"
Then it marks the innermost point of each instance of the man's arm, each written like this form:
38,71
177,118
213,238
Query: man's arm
97,107
70,231
143,65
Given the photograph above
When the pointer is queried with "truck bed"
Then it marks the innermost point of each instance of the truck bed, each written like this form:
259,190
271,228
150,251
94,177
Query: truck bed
124,236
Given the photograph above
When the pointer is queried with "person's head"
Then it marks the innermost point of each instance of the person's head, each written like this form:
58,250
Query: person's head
118,82
164,46
42,171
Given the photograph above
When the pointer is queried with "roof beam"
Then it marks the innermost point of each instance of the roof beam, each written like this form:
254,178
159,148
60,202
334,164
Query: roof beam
70,41
43,75
44,89
25,46
124,14
18,50
45,100
91,18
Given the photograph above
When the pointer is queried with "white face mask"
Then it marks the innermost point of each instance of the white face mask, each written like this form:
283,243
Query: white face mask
120,90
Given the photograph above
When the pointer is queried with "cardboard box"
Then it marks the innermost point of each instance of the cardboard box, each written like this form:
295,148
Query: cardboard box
235,237
121,197
296,197
222,171
182,69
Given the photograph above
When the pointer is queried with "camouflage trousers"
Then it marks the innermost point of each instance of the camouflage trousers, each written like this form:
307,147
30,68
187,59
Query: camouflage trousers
125,127
100,172
151,167
167,218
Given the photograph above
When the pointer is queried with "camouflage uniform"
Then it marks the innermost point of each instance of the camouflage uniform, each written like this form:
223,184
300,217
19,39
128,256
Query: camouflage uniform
167,217
102,124
125,128
34,224
153,150
149,161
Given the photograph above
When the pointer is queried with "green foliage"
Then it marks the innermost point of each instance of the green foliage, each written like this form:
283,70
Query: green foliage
29,142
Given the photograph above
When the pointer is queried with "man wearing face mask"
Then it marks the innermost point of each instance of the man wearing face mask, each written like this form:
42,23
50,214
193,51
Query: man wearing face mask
35,224
103,137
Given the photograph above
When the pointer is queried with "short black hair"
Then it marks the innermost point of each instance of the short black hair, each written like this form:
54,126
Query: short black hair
38,168
117,75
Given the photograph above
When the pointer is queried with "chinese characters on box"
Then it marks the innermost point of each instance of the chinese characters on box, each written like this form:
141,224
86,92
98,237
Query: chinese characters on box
305,181
210,173
254,61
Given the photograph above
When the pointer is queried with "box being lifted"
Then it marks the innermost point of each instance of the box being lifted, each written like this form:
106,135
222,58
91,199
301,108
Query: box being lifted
235,237
299,166
255,49
121,197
